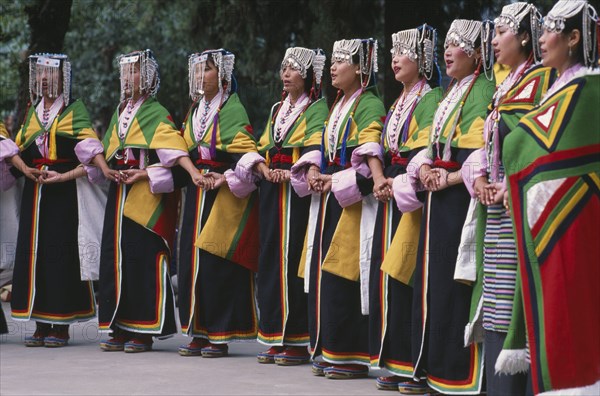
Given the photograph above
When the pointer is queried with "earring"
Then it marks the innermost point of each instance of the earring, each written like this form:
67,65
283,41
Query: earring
357,72
570,52
523,43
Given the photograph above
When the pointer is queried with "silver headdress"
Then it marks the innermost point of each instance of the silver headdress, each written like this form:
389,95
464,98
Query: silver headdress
223,60
513,14
419,45
301,59
464,34
48,65
343,50
149,75
563,10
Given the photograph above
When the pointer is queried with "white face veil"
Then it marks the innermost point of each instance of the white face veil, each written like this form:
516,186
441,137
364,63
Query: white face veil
50,67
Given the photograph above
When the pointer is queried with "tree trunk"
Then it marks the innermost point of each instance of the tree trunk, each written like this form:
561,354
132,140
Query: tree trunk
49,23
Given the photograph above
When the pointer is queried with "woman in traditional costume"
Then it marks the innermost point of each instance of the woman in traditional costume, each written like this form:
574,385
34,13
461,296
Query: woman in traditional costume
50,283
440,302
337,252
294,128
552,161
405,132
218,248
136,297
515,45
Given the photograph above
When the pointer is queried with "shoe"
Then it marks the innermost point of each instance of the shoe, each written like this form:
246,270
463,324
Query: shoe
388,383
415,388
194,348
114,344
36,340
268,356
292,356
346,371
58,337
215,350
138,344
42,330
319,367
6,293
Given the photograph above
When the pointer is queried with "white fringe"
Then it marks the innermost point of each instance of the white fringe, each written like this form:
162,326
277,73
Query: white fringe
512,361
593,389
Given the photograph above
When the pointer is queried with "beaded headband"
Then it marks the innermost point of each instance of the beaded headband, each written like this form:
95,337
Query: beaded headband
563,10
343,50
419,45
463,33
49,65
224,62
513,14
301,59
149,75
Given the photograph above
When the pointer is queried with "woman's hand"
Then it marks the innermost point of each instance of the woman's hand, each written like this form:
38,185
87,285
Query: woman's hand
381,189
112,175
479,186
325,183
506,202
212,180
131,176
50,177
439,179
313,176
32,173
427,178
280,175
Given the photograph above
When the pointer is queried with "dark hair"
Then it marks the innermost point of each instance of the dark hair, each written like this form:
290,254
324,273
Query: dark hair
525,27
576,22
308,81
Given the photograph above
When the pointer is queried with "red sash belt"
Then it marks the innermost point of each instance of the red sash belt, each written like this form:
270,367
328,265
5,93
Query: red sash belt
212,164
132,163
337,162
397,160
450,166
282,159
46,161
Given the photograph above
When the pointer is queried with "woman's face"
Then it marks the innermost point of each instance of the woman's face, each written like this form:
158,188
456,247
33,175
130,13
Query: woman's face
405,70
458,64
293,83
507,46
344,75
132,82
555,49
211,79
43,79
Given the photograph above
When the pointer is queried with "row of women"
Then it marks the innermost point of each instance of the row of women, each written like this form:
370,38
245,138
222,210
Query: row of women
379,240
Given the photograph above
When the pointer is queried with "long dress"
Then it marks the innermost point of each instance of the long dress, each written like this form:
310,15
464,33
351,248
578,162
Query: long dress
135,287
406,131
337,326
47,282
218,252
283,220
552,161
440,303
496,257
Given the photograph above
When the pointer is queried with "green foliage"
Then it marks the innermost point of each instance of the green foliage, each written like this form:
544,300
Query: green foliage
14,36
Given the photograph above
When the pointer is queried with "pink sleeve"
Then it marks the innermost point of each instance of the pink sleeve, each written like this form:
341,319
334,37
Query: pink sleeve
360,154
239,188
94,174
169,157
298,177
405,194
344,187
244,169
474,167
8,149
87,149
160,179
416,162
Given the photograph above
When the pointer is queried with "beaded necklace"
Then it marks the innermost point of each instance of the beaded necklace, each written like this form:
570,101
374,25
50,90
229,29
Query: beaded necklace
491,124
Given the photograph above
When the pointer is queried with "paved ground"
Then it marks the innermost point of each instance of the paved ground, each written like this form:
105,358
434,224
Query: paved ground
83,369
